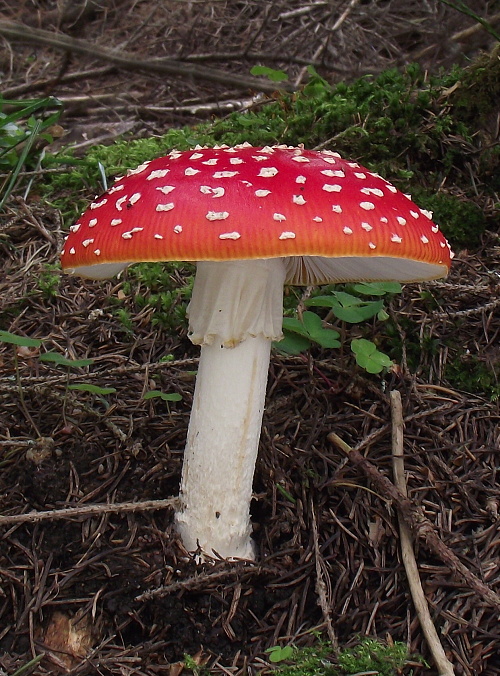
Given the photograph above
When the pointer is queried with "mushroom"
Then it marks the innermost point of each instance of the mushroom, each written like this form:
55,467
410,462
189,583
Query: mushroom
253,219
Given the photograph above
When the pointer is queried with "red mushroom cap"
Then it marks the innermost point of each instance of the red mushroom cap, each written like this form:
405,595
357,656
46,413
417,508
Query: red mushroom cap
245,203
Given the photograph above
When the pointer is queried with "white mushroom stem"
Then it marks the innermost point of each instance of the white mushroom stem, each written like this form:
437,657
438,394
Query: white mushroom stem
221,449
235,313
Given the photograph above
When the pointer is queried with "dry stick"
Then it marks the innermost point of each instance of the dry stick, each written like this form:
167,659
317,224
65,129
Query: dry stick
444,666
321,586
202,580
89,510
319,51
418,523
492,305
36,223
45,383
19,90
130,61
460,36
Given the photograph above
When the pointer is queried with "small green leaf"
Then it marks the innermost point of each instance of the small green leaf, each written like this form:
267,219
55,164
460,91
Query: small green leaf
93,389
318,333
270,73
347,307
56,358
347,299
377,288
334,300
292,343
327,338
295,326
299,334
368,357
157,394
312,322
317,86
354,315
278,653
14,339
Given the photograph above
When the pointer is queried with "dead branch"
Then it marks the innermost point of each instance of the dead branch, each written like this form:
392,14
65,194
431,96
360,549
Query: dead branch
88,510
460,36
418,522
487,307
323,585
445,668
47,84
130,61
200,581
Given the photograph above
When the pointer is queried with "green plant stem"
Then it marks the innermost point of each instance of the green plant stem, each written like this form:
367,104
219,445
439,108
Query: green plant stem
20,163
26,667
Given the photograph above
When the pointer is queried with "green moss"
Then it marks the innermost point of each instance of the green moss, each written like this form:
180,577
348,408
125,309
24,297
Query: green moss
49,281
309,661
461,220
372,655
469,373
368,656
478,92
390,121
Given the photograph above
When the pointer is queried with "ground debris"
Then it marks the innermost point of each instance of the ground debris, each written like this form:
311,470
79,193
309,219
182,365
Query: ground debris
127,571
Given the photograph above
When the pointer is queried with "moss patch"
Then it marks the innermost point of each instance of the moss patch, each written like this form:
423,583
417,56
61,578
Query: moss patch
461,220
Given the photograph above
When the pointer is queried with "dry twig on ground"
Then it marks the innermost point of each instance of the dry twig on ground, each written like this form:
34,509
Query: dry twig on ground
418,523
445,668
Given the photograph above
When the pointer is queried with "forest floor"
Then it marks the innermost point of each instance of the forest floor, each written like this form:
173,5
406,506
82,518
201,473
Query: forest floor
113,591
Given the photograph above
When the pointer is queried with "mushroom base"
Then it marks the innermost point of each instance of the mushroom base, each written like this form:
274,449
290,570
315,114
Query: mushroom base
224,429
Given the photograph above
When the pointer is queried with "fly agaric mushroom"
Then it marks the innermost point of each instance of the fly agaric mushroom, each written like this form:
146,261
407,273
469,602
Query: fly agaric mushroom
253,219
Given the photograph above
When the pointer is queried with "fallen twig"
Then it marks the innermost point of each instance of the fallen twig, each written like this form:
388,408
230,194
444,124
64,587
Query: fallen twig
130,61
47,84
487,307
444,666
202,580
460,36
418,523
88,510
322,585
